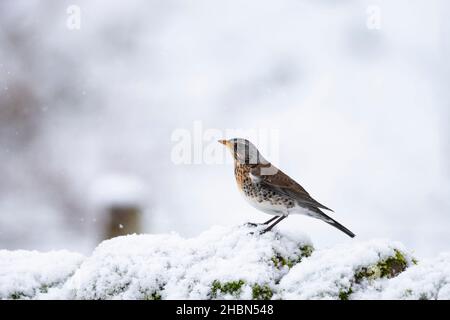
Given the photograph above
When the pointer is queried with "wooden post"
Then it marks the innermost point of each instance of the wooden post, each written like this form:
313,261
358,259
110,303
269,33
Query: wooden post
122,220
118,205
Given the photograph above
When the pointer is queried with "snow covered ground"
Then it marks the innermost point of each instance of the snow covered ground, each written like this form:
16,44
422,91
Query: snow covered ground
28,274
225,263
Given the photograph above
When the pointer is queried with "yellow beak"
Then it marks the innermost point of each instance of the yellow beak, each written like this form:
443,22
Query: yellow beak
224,142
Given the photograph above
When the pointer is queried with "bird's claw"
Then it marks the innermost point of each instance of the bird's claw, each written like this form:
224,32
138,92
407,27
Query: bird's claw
251,224
260,232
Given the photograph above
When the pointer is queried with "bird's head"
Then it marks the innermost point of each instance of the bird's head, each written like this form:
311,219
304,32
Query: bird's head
243,151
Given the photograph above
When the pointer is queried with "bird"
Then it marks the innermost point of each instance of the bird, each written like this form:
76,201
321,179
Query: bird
270,190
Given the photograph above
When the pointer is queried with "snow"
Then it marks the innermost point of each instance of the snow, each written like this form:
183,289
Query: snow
136,266
328,272
26,274
429,279
223,263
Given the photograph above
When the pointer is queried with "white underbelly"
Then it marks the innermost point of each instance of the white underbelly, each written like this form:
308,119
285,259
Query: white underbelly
278,210
266,206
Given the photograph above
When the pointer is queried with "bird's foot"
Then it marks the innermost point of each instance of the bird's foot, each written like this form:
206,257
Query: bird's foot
260,232
254,225
251,224
265,230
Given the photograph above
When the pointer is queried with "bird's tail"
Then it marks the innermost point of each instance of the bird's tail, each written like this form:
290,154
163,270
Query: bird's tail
322,216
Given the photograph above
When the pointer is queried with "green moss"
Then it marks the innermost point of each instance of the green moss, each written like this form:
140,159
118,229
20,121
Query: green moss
44,288
423,296
392,266
231,287
261,292
387,268
306,251
118,289
153,296
280,262
408,292
345,294
17,295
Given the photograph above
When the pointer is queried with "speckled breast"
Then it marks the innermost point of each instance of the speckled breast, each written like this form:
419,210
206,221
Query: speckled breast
259,195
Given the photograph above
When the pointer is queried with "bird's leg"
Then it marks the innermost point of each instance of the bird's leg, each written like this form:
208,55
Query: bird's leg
273,224
270,220
251,224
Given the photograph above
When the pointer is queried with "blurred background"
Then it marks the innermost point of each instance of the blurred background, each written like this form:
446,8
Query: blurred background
357,91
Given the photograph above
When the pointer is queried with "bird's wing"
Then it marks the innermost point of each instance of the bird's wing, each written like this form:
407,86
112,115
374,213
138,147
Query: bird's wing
277,179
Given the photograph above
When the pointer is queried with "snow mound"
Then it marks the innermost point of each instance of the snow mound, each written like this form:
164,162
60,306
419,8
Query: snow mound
339,272
220,263
427,280
225,263
28,274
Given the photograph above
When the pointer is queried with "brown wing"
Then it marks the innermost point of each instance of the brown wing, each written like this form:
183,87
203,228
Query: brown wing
277,179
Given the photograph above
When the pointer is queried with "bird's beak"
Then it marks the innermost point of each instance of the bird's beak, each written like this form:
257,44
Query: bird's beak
224,142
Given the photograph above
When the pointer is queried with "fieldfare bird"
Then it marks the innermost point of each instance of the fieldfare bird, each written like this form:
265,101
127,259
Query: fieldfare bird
270,190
